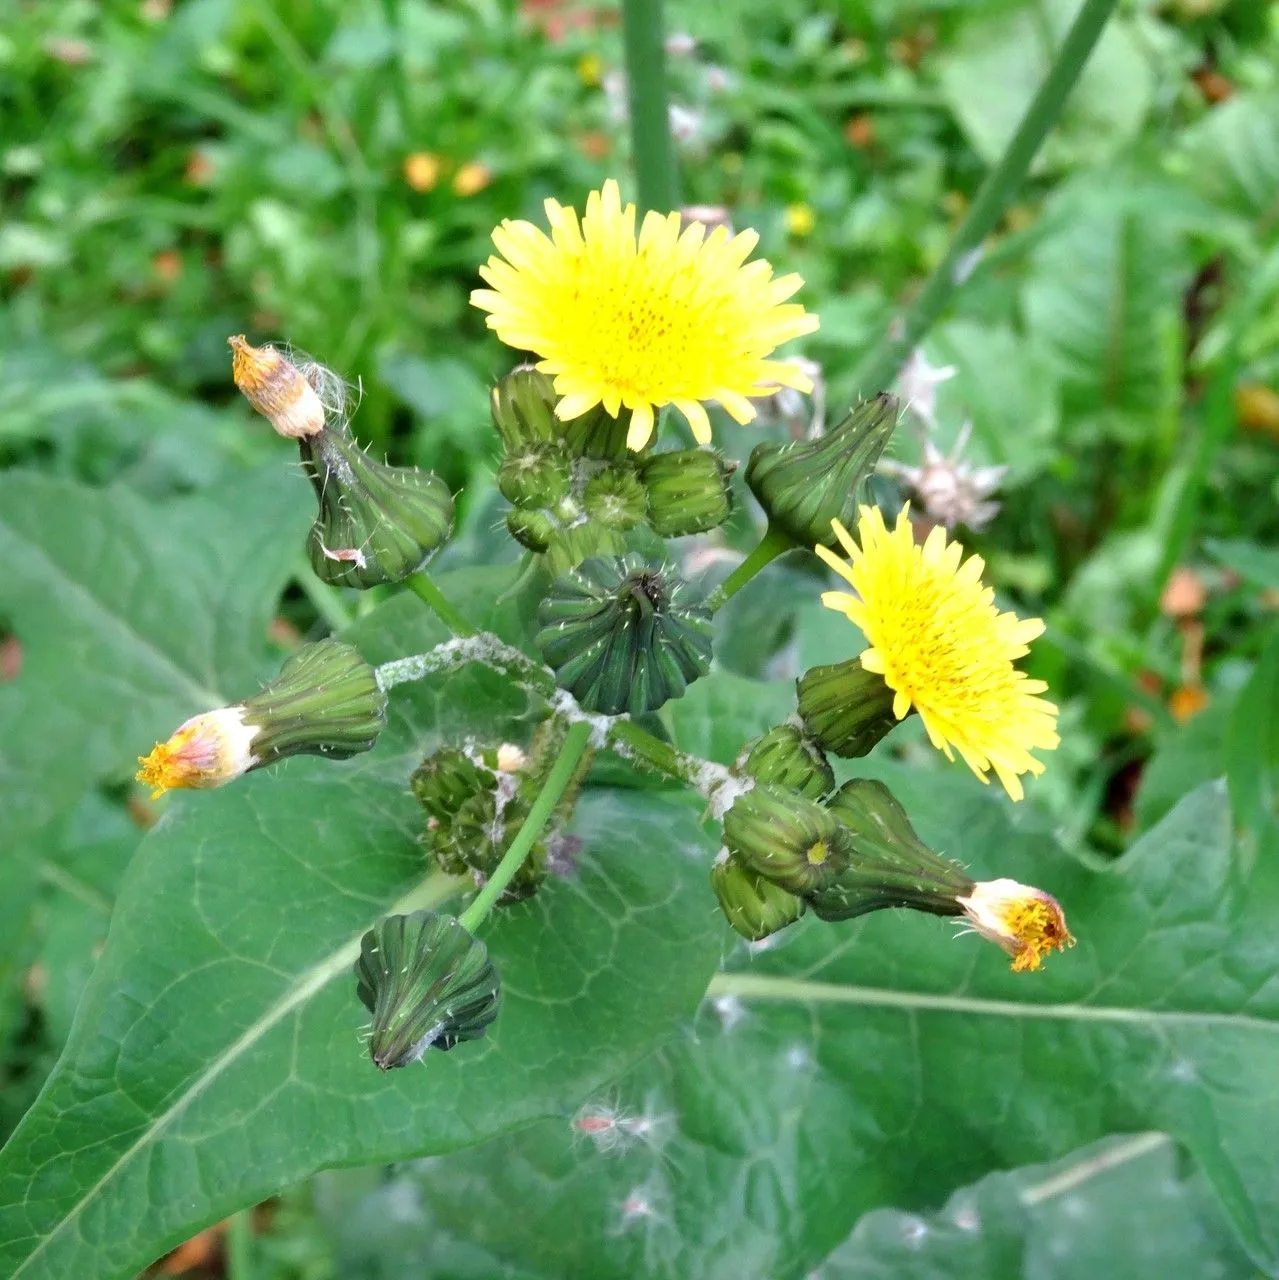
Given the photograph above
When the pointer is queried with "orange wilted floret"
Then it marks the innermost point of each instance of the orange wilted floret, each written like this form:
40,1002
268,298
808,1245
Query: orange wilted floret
1027,923
206,751
276,388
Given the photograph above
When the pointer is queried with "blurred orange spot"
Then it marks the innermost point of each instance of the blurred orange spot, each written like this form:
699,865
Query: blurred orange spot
282,632
167,265
141,811
860,131
1187,700
1212,84
10,658
1184,594
200,1251
472,178
422,170
594,145
1257,407
199,170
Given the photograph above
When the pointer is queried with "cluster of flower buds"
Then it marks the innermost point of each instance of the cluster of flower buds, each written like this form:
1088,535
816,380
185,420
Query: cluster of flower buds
376,523
794,842
428,984
326,701
477,798
799,845
577,491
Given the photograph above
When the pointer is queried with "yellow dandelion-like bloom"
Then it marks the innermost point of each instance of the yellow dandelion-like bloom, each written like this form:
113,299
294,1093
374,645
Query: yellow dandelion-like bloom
206,751
675,316
934,634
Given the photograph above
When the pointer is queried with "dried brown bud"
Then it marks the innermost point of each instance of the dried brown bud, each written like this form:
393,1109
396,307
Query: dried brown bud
276,388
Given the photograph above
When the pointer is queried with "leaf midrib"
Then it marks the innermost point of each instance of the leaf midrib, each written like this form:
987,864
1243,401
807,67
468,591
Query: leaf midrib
427,894
760,986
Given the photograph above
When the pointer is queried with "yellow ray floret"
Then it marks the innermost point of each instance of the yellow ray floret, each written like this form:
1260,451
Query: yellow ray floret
669,317
934,634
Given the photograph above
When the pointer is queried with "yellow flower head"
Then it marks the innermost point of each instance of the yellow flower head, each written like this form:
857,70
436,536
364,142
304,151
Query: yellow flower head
671,317
1028,923
205,751
934,634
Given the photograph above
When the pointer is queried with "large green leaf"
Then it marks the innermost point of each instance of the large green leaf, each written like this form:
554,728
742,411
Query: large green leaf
1118,1208
132,616
215,1055
1103,299
1232,156
888,1063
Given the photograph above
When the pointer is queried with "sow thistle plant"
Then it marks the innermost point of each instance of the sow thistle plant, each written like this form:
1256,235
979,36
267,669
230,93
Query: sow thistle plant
624,324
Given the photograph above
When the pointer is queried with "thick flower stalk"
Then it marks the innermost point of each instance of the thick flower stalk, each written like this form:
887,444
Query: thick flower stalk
673,315
936,638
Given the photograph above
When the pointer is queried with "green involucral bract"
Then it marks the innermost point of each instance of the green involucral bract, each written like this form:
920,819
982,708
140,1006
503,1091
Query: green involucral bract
428,985
620,636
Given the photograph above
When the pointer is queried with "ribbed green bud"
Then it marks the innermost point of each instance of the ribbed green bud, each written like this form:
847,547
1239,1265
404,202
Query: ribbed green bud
377,523
531,529
688,491
621,636
326,701
615,497
568,547
446,780
535,475
806,484
523,406
785,838
786,757
755,907
597,435
428,984
889,866
846,708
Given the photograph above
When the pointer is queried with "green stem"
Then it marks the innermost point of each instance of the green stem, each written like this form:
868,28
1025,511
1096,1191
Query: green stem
646,94
879,367
239,1246
434,598
574,747
773,544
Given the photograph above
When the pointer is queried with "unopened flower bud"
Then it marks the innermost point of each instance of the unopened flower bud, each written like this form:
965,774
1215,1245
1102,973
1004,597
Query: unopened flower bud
535,475
787,757
1027,923
325,701
446,780
688,491
845,708
428,984
806,484
531,529
888,866
754,906
276,388
481,832
615,497
790,840
523,407
621,635
377,523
